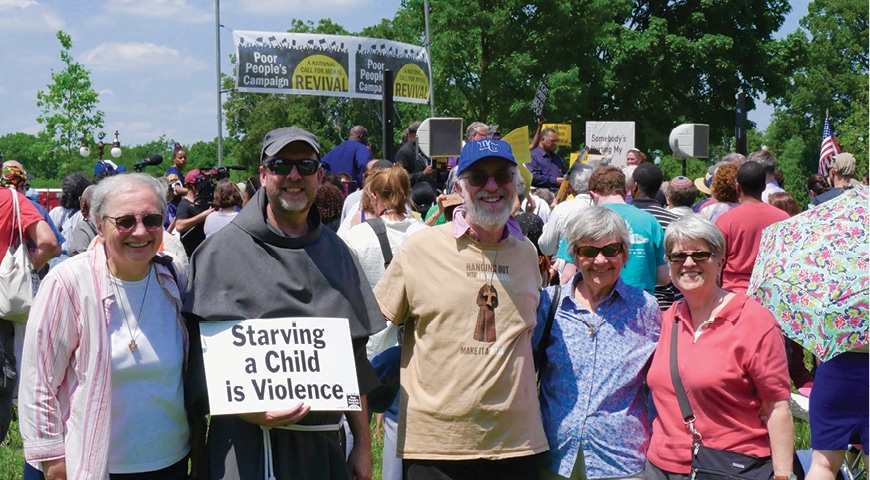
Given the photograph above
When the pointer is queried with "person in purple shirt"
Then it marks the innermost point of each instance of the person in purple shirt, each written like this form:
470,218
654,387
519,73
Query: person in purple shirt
547,167
593,399
351,156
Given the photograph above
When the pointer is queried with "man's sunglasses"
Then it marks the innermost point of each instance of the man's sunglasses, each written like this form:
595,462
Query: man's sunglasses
280,166
125,223
680,257
609,250
479,178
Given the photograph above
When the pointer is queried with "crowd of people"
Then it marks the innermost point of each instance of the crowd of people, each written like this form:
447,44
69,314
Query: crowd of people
536,326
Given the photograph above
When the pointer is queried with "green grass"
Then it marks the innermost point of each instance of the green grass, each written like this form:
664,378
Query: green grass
377,450
12,454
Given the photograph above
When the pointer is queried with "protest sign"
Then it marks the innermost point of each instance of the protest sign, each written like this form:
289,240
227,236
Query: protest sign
540,99
330,65
518,139
260,365
563,130
612,139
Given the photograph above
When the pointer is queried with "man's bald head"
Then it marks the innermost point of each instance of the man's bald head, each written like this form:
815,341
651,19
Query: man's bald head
359,134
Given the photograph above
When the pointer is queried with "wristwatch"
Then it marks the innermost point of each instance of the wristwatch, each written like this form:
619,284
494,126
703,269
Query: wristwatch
790,476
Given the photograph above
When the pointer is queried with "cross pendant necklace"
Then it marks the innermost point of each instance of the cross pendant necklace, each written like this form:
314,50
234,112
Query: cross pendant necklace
133,346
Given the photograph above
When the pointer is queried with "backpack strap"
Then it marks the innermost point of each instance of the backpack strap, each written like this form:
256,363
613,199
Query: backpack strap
166,261
380,229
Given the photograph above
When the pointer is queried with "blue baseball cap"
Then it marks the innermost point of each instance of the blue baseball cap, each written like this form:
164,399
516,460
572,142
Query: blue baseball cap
487,148
108,165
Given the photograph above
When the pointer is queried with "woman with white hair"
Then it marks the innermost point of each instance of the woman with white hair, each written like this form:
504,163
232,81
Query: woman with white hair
593,399
102,390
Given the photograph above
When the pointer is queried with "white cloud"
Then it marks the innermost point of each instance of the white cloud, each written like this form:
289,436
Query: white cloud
4,4
296,8
136,56
28,16
177,10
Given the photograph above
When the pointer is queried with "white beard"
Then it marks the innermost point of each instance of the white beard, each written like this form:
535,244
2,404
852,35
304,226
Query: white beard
488,215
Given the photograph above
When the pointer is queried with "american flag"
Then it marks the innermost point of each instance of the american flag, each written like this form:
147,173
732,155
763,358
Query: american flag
830,147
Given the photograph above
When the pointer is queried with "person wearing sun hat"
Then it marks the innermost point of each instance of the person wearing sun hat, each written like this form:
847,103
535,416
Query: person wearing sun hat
477,346
703,184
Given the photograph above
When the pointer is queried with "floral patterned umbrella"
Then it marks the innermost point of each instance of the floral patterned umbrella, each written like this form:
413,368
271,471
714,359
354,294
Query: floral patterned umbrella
812,274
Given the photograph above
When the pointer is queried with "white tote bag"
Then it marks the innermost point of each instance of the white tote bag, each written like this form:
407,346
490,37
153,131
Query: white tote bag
16,283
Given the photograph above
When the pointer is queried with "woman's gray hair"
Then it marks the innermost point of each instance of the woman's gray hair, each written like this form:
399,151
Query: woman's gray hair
593,224
694,227
111,186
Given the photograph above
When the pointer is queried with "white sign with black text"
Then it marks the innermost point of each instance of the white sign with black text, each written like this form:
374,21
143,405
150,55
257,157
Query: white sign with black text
261,365
612,139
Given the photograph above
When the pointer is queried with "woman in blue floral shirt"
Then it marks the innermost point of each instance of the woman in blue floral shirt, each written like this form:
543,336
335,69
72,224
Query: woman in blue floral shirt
593,399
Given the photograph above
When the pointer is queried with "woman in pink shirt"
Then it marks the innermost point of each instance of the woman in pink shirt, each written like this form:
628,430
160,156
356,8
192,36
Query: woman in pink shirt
731,361
102,391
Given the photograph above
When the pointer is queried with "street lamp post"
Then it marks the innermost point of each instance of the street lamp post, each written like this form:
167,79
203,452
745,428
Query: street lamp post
115,151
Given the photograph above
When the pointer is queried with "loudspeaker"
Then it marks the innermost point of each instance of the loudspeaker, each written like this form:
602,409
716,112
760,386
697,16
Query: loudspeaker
440,137
690,140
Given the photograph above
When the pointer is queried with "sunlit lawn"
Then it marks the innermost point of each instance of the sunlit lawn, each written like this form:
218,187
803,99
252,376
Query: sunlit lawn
12,455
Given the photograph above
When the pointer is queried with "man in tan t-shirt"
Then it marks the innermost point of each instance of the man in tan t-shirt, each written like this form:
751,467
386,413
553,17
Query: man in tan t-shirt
467,292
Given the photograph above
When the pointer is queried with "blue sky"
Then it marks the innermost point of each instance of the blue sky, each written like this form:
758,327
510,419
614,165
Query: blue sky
153,61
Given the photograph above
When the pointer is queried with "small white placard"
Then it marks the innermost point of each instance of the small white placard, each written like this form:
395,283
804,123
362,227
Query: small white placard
612,139
267,364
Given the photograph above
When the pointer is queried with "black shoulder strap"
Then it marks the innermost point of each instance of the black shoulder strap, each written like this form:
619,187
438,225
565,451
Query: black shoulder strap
380,229
540,355
685,406
166,261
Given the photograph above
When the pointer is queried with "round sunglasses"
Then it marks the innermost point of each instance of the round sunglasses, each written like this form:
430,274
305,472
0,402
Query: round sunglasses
125,223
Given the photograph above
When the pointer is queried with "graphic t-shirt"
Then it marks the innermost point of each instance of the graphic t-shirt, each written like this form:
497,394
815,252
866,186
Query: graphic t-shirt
468,380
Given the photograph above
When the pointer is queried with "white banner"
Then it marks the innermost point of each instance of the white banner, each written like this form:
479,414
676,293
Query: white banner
261,365
613,139
330,65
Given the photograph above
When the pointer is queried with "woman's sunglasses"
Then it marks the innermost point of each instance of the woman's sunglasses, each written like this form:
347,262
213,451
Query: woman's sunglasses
609,250
680,257
125,223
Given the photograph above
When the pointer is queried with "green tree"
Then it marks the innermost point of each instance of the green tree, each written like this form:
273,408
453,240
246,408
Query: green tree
22,147
69,114
832,78
655,62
